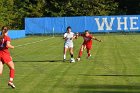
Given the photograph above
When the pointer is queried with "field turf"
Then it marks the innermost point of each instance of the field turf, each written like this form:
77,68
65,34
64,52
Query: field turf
113,68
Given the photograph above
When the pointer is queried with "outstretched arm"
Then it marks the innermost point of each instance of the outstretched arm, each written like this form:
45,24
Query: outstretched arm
9,45
96,39
77,35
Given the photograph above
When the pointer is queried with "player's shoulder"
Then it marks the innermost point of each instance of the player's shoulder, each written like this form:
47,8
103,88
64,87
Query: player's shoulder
7,37
71,33
90,35
65,33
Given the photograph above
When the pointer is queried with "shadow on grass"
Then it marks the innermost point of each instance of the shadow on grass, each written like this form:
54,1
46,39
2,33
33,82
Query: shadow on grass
111,75
109,89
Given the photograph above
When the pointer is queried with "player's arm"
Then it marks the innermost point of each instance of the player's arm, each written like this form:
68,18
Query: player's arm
75,36
65,37
8,45
96,39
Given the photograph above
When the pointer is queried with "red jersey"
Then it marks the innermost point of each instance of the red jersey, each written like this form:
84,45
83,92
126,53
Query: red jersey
87,39
3,42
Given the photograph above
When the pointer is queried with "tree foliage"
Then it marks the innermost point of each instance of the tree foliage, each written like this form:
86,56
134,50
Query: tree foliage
13,12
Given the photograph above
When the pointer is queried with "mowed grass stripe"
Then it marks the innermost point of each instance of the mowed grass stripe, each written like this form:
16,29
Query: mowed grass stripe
116,68
131,59
36,51
39,74
109,70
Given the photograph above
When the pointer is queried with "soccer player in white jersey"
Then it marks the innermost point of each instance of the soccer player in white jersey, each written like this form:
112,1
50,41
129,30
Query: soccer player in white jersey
68,45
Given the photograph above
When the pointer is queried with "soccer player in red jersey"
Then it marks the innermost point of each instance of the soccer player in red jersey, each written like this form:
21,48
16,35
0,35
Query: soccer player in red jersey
5,57
87,44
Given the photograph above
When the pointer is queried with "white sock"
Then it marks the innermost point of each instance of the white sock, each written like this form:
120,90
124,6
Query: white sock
11,79
64,56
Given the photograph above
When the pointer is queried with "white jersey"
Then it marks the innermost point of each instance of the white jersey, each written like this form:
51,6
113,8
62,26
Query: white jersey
69,37
69,40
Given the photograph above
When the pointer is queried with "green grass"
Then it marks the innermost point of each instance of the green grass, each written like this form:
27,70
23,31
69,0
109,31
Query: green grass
113,68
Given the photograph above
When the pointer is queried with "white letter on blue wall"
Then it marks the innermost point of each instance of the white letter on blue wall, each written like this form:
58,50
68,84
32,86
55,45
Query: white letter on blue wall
133,23
122,23
104,22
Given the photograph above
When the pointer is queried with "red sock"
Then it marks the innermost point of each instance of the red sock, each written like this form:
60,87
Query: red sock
12,74
88,51
80,53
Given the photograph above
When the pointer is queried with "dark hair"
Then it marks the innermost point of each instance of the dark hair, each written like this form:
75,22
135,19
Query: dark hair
68,28
3,28
86,31
3,32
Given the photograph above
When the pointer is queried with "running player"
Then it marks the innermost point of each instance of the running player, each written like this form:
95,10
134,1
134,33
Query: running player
68,45
5,57
87,44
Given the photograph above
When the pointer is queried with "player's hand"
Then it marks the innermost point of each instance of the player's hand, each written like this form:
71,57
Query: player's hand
77,34
12,47
66,39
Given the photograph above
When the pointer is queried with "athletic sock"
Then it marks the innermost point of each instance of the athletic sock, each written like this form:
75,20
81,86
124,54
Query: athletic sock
12,74
80,54
71,55
88,52
64,56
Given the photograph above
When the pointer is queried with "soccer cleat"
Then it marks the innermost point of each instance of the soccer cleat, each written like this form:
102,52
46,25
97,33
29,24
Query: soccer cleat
64,60
88,56
72,60
11,85
78,59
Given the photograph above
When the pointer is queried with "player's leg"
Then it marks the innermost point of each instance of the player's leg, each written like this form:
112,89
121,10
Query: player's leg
65,51
71,49
80,52
12,73
71,54
1,68
88,51
7,59
12,70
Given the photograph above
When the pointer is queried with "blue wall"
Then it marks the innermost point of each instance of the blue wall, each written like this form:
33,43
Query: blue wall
15,34
48,25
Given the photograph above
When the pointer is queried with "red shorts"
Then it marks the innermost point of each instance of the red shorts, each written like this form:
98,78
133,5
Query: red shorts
89,47
5,57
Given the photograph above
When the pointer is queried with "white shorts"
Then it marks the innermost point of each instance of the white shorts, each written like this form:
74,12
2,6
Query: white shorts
68,45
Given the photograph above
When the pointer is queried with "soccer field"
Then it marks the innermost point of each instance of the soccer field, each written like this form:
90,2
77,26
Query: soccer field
113,68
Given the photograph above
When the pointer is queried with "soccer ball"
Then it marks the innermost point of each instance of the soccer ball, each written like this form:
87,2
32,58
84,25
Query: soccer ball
72,60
